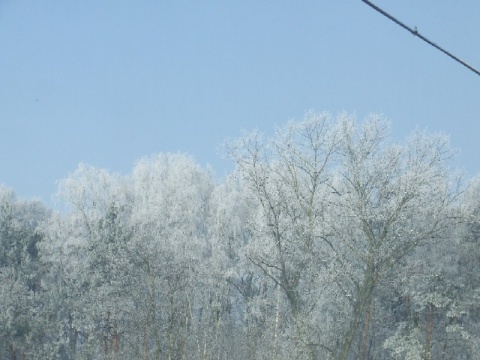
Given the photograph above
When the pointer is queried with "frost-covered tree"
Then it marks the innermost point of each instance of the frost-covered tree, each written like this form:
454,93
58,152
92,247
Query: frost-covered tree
249,320
134,261
22,333
390,200
184,291
93,276
327,241
339,207
289,178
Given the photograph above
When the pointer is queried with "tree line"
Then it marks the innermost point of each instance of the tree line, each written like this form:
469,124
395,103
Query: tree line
328,241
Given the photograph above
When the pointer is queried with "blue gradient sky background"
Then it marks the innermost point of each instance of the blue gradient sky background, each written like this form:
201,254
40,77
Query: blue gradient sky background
108,82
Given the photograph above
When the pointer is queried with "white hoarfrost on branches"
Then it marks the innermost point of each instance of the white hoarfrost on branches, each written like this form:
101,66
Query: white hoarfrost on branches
328,241
339,207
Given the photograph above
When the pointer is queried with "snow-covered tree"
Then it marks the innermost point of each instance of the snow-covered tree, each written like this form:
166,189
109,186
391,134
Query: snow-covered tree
21,315
328,241
289,178
390,200
93,275
339,207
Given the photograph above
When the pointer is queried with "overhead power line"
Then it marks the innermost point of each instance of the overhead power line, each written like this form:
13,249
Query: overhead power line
416,33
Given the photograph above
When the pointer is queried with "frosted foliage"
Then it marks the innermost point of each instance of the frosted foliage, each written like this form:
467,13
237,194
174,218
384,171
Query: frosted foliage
405,346
21,320
91,190
338,206
171,188
327,241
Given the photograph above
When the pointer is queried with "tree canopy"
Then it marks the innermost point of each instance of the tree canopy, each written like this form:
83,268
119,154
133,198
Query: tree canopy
328,241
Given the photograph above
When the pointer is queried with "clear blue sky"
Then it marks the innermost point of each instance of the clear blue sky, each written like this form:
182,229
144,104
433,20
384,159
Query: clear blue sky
108,82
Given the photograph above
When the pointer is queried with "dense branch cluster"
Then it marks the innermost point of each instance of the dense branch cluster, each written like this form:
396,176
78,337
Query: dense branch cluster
328,241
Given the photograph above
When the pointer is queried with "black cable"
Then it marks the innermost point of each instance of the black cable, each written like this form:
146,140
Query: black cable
416,33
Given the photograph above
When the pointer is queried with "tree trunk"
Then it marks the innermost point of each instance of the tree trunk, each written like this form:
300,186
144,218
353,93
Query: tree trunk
276,328
364,295
105,333
116,354
145,341
428,342
366,328
72,337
